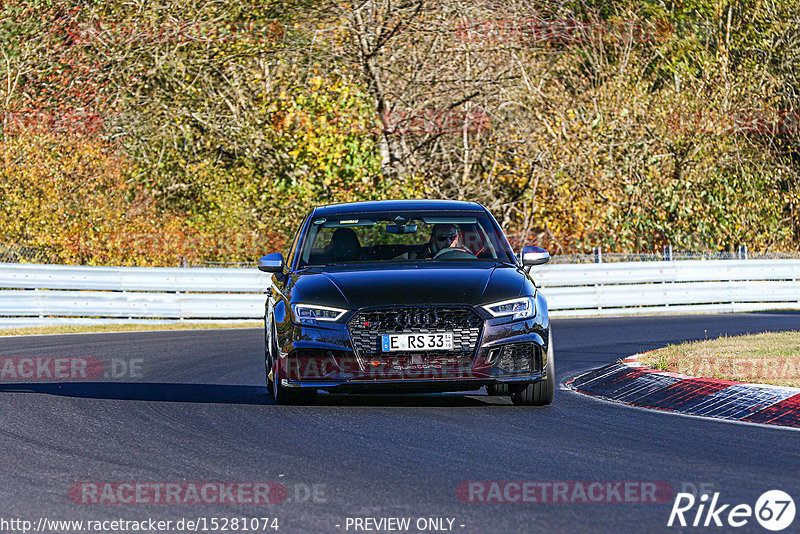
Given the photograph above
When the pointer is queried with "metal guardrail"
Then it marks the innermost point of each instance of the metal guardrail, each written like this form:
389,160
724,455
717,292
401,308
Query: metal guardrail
37,294
156,279
46,294
696,286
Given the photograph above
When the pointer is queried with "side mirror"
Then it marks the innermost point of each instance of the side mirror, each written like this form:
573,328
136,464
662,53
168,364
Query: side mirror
534,256
271,263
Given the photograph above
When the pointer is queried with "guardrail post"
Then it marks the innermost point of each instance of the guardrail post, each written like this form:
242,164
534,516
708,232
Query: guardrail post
597,257
742,252
667,253
41,315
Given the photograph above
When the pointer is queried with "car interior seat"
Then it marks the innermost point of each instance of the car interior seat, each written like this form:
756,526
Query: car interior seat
344,245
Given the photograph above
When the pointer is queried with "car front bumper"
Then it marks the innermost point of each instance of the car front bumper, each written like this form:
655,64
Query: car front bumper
408,385
322,356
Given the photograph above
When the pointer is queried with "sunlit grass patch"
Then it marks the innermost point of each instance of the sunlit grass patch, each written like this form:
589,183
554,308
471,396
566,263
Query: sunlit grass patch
770,358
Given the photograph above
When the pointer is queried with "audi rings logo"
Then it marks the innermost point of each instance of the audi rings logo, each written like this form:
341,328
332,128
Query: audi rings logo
417,318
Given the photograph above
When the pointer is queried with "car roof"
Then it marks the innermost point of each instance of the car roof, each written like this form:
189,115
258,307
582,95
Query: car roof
397,205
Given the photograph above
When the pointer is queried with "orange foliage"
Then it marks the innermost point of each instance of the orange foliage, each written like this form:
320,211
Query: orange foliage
73,196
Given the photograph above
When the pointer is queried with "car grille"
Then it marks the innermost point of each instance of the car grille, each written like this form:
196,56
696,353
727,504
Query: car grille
367,326
519,357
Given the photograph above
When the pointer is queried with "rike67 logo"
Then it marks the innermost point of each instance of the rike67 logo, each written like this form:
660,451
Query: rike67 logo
774,510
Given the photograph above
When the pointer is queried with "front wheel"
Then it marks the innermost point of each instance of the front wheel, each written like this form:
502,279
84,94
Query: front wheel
281,393
286,395
270,381
269,358
538,393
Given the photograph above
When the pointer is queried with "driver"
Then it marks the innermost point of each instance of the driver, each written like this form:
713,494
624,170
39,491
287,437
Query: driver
445,236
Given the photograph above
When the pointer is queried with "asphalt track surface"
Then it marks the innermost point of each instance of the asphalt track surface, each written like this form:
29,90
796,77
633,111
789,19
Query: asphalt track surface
199,412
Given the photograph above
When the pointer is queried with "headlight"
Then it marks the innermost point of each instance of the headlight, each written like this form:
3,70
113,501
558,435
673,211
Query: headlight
307,313
521,308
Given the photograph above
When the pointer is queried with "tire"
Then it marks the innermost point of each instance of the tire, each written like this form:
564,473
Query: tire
538,393
284,395
269,351
270,383
497,389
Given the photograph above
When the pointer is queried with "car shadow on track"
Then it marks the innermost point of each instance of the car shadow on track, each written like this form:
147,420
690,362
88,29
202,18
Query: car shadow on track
413,400
147,391
227,394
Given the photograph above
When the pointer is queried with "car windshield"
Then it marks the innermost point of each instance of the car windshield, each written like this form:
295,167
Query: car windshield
403,237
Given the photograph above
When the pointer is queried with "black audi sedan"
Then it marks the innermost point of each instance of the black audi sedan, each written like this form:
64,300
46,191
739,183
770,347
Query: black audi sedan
406,296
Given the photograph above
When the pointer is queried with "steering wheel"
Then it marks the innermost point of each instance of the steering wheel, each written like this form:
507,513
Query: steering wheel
454,250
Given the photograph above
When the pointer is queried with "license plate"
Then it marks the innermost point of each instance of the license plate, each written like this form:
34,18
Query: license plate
397,342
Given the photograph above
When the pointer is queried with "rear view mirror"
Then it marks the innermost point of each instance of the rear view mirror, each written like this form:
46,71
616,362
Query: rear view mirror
271,263
401,228
534,256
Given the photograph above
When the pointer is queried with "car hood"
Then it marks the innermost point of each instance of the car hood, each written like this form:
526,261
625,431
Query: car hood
452,283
